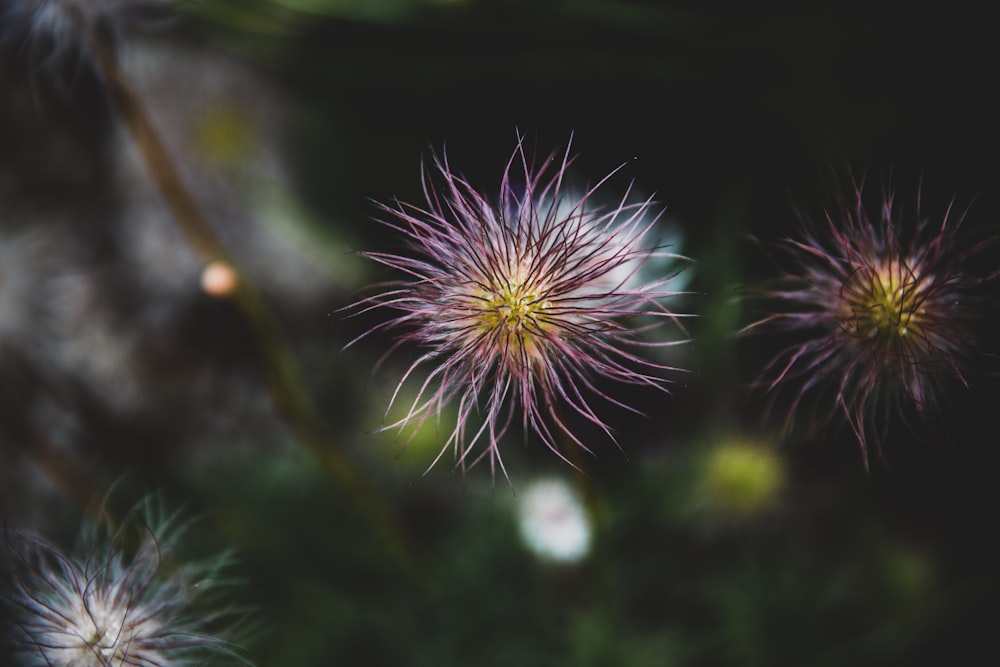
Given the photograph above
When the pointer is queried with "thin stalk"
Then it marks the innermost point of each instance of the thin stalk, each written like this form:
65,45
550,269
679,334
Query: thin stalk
46,456
279,366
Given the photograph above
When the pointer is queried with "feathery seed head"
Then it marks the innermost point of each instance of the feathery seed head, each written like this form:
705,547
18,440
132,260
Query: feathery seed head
120,601
883,309
522,306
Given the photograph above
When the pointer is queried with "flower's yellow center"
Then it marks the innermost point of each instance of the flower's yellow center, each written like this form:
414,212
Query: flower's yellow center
886,300
516,309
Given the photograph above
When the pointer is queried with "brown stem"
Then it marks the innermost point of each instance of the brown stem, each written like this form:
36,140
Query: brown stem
45,455
281,371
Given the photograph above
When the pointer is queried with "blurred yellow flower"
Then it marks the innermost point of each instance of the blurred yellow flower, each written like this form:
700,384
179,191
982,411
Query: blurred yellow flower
742,479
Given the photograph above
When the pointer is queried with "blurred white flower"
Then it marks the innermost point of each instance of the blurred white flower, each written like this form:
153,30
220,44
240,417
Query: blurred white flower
53,33
553,521
638,272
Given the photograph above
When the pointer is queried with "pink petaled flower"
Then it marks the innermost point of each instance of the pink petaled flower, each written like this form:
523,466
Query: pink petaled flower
884,313
522,306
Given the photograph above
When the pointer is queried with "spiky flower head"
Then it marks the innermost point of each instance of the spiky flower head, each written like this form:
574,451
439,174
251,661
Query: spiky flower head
120,600
523,306
883,308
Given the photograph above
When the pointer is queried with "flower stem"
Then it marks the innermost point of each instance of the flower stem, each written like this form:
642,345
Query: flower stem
45,455
280,369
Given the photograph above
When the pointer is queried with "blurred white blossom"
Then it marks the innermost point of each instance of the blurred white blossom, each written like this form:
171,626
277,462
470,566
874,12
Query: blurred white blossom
553,521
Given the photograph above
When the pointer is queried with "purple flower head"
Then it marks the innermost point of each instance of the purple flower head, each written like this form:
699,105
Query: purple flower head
522,307
120,600
882,310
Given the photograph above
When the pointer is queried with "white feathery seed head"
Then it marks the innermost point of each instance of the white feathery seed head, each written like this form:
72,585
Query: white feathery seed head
119,600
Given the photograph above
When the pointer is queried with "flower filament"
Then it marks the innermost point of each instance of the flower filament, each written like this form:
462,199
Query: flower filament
884,300
514,310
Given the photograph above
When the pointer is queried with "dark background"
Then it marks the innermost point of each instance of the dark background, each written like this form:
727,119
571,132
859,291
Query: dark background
734,118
